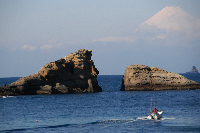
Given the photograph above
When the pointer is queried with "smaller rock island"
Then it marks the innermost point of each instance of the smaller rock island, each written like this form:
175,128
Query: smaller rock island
144,78
75,73
193,70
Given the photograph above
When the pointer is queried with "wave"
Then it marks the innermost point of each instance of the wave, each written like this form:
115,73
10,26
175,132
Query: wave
166,118
25,129
111,121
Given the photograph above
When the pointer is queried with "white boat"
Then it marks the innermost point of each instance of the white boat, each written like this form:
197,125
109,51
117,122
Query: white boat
155,116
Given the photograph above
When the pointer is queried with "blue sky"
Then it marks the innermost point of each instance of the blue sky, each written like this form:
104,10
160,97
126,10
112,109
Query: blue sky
34,33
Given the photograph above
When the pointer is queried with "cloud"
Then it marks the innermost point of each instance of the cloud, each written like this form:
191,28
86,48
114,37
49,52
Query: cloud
160,37
29,48
46,47
52,46
115,39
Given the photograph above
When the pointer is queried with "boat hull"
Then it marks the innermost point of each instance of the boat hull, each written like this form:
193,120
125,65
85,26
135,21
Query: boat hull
155,116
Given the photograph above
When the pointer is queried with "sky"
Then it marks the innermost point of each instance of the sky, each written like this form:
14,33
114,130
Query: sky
163,34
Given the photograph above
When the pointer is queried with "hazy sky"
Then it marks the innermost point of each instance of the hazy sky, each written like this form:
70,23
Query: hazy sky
34,33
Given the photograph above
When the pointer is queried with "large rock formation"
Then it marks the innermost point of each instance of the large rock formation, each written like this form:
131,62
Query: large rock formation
193,70
74,73
144,78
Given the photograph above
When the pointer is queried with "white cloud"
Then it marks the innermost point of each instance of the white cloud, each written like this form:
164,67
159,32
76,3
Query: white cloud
46,47
52,46
115,39
29,48
160,36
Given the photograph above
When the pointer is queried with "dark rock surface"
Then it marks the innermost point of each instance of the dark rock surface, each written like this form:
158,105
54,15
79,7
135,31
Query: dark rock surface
193,70
74,73
144,78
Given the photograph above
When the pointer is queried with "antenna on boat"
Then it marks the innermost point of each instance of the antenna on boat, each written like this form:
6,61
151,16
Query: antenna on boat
151,105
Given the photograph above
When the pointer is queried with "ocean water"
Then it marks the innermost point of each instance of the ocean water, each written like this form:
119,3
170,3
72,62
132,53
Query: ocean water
109,111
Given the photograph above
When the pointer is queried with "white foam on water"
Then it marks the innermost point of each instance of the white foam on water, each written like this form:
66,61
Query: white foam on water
161,119
6,96
165,118
142,118
116,121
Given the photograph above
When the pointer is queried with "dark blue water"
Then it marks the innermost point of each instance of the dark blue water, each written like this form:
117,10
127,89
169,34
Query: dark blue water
108,111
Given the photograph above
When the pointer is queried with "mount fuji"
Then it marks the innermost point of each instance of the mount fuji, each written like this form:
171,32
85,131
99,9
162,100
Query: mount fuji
173,18
170,26
170,23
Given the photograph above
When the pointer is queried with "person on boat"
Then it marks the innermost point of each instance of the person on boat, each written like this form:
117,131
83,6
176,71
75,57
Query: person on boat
155,110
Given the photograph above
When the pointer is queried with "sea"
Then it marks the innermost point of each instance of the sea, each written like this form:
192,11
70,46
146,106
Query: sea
110,111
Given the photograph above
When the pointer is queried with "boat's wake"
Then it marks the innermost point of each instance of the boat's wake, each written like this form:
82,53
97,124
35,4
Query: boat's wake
129,120
161,119
114,121
142,118
166,118
102,123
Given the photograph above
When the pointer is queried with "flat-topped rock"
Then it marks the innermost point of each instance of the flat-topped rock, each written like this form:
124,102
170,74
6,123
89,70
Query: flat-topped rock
75,73
144,78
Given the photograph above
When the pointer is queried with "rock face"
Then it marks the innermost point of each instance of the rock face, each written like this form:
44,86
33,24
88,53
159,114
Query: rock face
144,78
193,70
74,73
